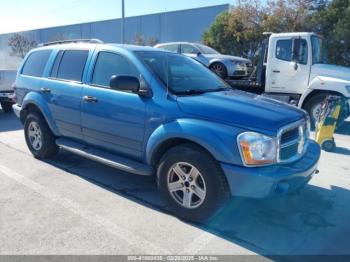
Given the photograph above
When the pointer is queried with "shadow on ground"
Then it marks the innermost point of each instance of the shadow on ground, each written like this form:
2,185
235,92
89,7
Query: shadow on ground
344,129
9,122
305,223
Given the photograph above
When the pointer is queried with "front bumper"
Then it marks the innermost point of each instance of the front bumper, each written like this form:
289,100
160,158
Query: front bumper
17,110
260,182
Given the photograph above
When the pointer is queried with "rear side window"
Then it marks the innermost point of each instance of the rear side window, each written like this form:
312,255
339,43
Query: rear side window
284,50
172,47
109,64
36,62
71,66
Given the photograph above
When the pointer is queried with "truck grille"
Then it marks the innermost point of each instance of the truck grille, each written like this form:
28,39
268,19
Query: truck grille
293,141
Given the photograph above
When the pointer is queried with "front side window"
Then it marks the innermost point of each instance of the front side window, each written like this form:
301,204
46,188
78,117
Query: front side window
110,64
72,65
188,49
284,50
36,62
207,50
181,74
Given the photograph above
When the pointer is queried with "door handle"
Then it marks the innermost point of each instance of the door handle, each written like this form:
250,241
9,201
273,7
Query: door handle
45,90
90,99
276,71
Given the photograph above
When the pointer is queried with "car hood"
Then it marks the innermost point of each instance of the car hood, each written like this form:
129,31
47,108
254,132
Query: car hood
226,57
335,71
241,109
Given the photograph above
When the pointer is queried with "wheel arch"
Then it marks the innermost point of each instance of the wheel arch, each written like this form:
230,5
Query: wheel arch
212,137
315,92
31,105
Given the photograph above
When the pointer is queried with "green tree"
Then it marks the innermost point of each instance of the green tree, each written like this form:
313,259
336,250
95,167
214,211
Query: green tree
240,30
332,21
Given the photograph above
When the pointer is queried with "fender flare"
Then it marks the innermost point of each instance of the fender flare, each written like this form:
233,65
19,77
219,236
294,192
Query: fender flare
218,139
326,85
34,98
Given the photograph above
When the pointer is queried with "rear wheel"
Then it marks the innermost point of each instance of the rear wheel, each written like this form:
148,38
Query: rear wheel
192,183
6,107
219,69
39,138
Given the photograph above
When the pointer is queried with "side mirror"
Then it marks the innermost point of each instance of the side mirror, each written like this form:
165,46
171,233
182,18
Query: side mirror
125,83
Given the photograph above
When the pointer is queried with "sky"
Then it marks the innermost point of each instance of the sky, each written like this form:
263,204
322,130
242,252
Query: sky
21,15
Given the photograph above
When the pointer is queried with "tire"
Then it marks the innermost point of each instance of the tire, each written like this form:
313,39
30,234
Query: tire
209,183
219,69
312,106
6,107
39,138
328,145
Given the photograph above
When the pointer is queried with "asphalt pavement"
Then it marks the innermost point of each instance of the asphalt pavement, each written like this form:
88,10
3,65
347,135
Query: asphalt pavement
70,205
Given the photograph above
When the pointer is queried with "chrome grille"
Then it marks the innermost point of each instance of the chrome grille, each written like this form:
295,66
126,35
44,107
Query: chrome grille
292,141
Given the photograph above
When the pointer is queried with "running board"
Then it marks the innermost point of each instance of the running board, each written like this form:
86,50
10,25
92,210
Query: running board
103,157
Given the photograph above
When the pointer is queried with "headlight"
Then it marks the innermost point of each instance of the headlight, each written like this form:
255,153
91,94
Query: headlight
257,149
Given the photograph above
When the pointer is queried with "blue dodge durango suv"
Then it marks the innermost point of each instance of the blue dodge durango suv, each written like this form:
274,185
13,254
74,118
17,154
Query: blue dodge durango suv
148,111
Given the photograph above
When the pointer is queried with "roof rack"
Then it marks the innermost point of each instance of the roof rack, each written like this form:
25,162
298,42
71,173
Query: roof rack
92,41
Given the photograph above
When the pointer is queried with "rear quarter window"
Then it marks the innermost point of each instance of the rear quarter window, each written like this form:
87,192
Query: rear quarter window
36,62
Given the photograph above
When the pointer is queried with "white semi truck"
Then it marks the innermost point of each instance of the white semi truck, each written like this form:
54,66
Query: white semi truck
292,68
7,78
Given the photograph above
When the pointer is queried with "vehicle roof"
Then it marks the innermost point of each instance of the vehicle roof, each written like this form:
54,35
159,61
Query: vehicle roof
178,43
94,45
293,34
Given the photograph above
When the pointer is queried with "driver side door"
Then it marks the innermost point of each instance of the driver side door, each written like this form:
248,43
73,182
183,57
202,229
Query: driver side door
288,67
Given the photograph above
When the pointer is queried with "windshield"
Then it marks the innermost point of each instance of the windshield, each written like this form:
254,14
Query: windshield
318,52
182,75
207,50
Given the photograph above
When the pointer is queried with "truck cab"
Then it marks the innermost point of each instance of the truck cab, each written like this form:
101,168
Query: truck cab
292,68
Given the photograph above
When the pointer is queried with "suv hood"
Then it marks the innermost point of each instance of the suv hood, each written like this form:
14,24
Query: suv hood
241,109
335,71
226,57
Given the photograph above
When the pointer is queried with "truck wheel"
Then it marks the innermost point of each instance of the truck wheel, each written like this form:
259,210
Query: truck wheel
39,138
6,107
313,107
328,145
219,69
192,183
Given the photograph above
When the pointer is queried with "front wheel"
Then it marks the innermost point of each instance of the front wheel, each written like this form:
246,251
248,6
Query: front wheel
314,108
192,183
219,69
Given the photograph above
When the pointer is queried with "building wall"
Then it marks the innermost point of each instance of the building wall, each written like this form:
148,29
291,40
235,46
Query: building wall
184,25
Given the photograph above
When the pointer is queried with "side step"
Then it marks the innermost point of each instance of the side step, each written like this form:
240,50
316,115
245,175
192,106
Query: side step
106,158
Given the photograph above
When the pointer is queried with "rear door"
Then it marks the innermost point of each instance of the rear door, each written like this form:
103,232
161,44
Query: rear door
112,119
288,72
63,90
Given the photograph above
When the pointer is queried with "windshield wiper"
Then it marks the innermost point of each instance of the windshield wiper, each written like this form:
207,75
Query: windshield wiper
191,92
218,89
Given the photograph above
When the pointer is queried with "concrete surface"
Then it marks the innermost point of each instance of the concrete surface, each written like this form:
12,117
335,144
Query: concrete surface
70,205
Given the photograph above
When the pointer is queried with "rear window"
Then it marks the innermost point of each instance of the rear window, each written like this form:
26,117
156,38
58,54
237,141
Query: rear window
71,66
36,62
